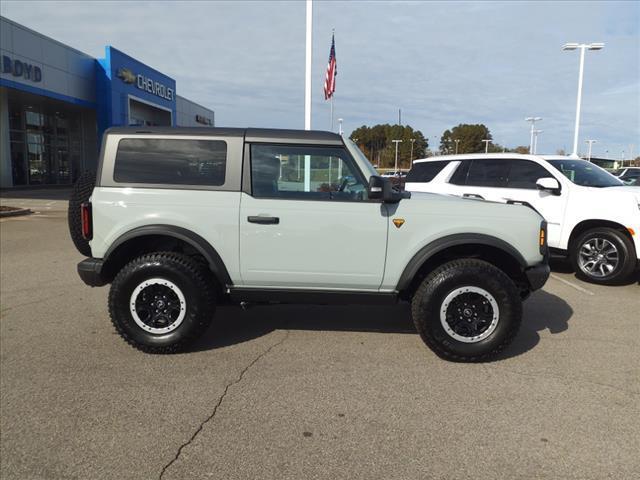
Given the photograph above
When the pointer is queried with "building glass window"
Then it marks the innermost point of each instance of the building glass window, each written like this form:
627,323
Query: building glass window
46,143
18,163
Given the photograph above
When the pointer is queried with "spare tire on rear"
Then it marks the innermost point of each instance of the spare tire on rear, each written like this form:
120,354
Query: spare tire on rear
80,194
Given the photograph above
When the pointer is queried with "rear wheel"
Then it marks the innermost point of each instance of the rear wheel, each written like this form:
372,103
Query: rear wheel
603,255
161,302
467,310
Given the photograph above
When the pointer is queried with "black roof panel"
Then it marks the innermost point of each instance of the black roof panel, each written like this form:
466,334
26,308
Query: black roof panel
268,135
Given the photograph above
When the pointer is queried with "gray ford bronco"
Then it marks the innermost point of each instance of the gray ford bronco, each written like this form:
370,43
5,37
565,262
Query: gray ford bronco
180,220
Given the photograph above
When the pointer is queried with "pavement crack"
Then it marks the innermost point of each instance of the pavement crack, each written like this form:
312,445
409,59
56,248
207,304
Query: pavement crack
220,400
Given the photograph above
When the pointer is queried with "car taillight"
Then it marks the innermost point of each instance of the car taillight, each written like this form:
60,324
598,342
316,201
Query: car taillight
87,221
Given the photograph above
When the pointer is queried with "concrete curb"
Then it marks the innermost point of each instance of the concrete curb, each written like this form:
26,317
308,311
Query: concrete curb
15,213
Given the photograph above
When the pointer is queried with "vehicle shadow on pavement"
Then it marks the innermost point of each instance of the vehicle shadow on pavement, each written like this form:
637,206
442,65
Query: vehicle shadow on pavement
542,311
232,325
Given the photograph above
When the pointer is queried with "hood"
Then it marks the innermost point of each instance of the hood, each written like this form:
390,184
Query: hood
459,206
614,192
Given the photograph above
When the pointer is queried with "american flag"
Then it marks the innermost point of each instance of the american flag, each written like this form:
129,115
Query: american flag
332,71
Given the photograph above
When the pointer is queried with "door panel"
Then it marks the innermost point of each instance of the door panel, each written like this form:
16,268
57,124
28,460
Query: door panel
307,222
314,244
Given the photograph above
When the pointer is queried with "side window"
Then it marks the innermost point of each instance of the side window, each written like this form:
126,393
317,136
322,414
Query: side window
459,177
170,161
425,171
306,173
488,172
525,174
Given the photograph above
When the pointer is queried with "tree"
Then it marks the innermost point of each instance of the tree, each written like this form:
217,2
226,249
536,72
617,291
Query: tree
376,143
469,139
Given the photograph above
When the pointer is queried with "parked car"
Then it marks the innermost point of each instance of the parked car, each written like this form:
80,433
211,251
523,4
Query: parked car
630,176
593,218
621,172
175,240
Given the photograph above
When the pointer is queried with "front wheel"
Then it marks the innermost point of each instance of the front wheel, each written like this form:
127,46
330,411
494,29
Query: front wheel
603,255
467,310
161,302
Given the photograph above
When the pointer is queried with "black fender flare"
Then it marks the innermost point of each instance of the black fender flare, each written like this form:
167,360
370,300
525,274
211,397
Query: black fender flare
202,246
431,249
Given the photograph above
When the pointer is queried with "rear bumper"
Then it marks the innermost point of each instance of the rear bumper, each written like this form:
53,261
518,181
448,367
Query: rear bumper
90,271
537,275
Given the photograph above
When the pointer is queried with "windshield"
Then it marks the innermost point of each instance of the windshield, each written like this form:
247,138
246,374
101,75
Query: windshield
585,174
360,158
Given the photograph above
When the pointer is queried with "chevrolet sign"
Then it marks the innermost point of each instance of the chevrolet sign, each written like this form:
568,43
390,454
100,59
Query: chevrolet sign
145,83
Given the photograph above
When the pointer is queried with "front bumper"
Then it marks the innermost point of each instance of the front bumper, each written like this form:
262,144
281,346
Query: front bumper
90,271
538,275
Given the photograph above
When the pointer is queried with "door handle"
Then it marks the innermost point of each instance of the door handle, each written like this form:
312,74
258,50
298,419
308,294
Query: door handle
472,195
262,220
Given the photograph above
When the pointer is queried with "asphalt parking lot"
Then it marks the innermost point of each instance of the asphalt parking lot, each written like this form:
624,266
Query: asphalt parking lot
304,392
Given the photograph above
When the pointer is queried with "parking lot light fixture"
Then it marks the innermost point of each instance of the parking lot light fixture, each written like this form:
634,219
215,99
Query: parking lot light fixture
535,140
457,140
590,142
582,47
533,121
396,142
486,145
413,140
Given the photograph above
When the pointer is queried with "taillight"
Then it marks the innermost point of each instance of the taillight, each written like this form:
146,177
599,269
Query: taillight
87,221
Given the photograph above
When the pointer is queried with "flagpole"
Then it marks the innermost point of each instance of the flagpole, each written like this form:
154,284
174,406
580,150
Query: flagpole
307,93
332,111
307,81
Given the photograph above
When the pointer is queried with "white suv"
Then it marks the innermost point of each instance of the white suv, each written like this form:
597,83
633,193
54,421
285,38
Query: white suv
593,218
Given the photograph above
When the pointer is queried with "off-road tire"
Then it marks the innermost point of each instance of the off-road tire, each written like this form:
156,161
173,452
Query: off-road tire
190,276
626,251
80,194
430,296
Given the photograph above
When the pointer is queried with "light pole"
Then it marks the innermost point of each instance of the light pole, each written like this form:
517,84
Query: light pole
340,126
535,140
533,121
583,47
396,142
413,140
486,145
457,140
590,142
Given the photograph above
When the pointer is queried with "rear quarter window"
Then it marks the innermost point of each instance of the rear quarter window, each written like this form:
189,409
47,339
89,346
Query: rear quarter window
425,171
171,161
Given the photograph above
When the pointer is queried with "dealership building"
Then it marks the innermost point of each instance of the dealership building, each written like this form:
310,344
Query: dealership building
56,102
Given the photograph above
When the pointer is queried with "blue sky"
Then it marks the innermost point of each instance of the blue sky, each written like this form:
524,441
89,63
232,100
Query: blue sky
442,63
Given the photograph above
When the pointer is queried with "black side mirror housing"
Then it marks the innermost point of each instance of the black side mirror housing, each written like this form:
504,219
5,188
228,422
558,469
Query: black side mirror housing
381,188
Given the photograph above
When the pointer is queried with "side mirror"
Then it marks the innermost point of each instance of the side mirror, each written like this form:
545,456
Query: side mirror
376,187
549,184
381,188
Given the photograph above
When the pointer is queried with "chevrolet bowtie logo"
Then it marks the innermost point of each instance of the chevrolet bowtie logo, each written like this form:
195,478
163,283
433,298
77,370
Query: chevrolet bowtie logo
126,75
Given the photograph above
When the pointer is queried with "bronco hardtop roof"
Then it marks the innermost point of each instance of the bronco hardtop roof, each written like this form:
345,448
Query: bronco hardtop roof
267,135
